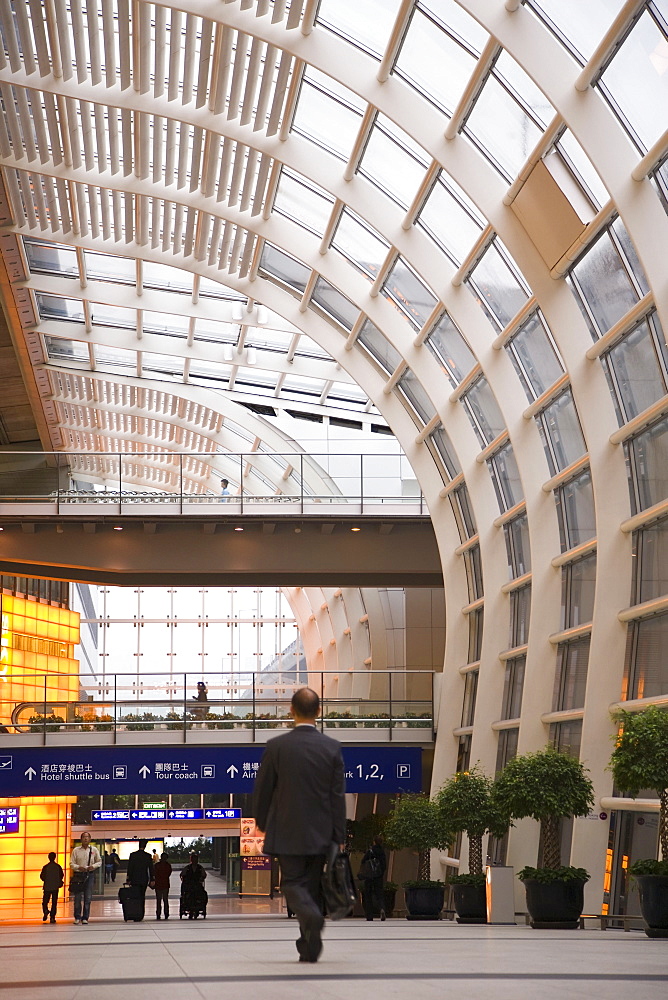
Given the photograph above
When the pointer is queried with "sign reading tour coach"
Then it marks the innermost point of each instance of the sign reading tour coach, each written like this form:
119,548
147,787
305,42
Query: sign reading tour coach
118,770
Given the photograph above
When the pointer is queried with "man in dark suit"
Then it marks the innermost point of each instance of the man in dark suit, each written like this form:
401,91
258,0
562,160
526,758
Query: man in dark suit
140,867
300,805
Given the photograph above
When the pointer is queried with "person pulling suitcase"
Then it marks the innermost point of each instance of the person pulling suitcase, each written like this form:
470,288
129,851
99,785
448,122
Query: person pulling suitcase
139,878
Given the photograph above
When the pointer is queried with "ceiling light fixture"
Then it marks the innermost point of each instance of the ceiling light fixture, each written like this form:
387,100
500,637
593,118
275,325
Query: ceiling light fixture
355,529
117,527
238,528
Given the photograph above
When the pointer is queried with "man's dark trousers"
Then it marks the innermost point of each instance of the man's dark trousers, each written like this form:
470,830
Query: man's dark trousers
300,882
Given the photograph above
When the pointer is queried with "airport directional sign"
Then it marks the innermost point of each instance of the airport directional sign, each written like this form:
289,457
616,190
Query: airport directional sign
118,770
9,820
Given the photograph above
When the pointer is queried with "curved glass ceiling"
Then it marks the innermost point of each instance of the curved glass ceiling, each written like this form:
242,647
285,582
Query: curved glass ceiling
281,204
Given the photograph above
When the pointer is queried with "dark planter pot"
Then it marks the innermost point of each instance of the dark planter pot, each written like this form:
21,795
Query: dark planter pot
555,905
470,902
654,904
424,904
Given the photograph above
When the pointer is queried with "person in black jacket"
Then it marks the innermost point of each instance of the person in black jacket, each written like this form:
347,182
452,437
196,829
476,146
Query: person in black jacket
140,867
373,899
53,877
300,806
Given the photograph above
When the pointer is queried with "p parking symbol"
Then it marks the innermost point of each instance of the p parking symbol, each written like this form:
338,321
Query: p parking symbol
403,770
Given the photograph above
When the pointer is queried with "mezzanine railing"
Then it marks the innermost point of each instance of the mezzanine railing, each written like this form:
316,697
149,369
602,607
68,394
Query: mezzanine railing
173,482
379,706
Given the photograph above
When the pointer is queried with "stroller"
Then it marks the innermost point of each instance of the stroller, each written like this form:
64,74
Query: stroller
194,898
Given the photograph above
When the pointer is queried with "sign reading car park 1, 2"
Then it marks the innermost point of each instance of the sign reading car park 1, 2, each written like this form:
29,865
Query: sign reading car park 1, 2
120,769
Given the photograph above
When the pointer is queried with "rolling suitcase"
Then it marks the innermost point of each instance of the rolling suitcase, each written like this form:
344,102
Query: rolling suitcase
131,898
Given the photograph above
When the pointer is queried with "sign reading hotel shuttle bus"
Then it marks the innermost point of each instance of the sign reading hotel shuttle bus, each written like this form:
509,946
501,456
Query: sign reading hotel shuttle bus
177,769
9,820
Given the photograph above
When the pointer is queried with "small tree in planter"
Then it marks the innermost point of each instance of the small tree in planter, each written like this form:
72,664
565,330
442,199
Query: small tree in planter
640,760
467,805
416,824
547,786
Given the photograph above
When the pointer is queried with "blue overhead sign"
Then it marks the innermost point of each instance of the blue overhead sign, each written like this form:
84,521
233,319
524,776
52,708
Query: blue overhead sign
122,815
9,820
118,770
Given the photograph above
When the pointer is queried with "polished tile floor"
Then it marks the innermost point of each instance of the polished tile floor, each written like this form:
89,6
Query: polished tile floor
253,954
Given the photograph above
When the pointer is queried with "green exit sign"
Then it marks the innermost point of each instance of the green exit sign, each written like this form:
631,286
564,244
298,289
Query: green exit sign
154,805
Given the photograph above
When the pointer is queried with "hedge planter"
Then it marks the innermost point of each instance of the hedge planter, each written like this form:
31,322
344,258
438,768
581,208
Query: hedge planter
654,904
470,902
424,903
555,905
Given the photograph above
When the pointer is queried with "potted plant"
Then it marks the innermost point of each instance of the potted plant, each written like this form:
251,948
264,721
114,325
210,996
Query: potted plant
640,760
467,804
548,785
416,823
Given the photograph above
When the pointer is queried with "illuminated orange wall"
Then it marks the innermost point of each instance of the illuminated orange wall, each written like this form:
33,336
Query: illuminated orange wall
36,641
45,824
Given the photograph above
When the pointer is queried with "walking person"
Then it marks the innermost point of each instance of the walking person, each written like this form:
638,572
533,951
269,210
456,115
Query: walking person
161,872
53,876
108,868
202,697
299,804
224,490
140,870
84,862
373,866
115,864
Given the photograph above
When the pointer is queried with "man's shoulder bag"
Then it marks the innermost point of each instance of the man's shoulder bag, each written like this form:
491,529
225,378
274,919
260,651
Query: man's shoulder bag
370,868
79,879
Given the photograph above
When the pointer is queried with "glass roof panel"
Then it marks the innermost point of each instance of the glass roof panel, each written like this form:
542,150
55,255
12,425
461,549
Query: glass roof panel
414,298
368,24
523,87
104,315
215,289
267,339
388,163
501,128
164,363
359,243
434,63
105,267
445,450
483,410
169,323
449,347
303,202
322,116
60,349
58,307
206,371
276,264
114,357
449,222
496,286
170,278
582,169
51,258
534,357
636,81
307,348
335,303
220,333
458,21
580,26
415,393
603,285
379,346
